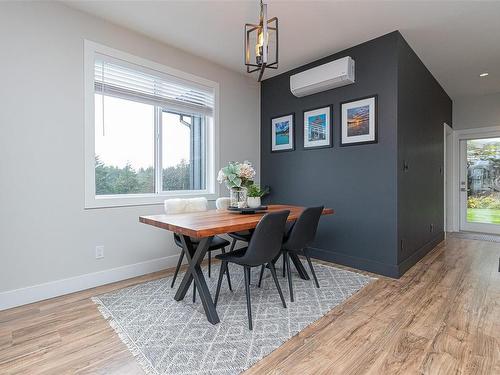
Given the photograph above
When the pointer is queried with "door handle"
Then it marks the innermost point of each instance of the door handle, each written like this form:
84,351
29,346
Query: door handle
464,189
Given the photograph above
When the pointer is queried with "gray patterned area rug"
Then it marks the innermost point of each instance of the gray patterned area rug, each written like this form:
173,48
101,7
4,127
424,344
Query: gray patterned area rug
170,337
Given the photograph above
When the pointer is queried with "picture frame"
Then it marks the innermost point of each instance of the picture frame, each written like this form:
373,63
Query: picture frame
358,124
283,133
318,128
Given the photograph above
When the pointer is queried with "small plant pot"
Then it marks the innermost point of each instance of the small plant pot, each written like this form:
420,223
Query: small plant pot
253,202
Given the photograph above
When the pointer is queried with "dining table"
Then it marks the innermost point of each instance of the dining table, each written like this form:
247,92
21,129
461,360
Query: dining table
203,226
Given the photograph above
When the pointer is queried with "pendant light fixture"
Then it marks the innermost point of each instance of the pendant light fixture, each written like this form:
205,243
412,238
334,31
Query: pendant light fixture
261,43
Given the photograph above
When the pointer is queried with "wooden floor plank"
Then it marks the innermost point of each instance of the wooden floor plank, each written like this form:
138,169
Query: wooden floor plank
441,317
403,356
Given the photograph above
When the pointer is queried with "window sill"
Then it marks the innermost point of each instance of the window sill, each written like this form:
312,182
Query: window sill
110,201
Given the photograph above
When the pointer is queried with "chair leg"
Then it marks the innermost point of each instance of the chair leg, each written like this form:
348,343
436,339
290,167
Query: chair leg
275,277
232,244
261,274
223,250
209,264
247,291
194,292
312,269
289,274
219,282
284,264
181,257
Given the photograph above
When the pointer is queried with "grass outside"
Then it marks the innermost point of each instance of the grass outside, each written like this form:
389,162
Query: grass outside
483,215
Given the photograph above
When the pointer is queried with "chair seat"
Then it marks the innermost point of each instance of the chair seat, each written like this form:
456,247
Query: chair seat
244,235
233,256
216,243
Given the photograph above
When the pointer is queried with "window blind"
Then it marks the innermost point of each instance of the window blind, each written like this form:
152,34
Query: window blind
129,81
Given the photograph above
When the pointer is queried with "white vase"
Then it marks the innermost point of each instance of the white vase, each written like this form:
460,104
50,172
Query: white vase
253,202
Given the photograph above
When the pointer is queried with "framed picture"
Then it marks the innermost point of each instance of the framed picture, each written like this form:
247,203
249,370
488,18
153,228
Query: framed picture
317,128
282,133
359,121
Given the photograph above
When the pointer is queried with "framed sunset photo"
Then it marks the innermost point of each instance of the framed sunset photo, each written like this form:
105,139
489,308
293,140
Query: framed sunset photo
359,121
317,128
282,133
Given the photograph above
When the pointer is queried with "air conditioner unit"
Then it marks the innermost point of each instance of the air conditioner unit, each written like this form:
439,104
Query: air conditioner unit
324,77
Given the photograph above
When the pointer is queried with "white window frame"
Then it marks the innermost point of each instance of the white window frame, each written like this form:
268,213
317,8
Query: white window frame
212,135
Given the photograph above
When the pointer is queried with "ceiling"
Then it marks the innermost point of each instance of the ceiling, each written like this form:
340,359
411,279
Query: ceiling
456,40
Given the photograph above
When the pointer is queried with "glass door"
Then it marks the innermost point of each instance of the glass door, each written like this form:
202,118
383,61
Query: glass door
480,185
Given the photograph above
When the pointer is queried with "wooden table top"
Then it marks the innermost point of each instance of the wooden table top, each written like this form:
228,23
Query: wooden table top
213,222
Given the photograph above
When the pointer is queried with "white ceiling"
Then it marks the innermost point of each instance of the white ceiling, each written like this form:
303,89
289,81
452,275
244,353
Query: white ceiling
456,40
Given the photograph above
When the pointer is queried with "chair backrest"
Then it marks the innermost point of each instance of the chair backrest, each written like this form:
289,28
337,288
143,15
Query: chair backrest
179,206
304,230
266,240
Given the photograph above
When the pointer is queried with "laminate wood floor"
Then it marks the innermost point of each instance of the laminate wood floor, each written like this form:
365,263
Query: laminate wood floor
441,317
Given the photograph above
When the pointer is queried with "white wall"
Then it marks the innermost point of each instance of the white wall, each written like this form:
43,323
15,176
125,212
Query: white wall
476,112
45,233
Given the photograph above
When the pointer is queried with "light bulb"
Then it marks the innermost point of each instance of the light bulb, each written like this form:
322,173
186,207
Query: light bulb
259,46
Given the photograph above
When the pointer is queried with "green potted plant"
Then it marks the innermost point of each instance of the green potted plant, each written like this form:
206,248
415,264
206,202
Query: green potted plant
254,194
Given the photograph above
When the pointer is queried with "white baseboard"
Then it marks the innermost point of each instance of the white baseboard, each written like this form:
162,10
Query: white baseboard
35,293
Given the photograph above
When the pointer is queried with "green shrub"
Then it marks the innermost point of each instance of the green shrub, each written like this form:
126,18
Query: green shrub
486,201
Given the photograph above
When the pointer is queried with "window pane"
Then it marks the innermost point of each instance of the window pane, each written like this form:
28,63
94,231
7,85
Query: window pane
183,152
483,181
124,146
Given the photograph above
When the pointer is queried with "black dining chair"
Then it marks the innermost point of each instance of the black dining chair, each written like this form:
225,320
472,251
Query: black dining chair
264,246
297,241
216,244
244,236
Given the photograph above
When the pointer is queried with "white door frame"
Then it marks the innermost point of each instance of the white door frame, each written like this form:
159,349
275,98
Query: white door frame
459,197
447,182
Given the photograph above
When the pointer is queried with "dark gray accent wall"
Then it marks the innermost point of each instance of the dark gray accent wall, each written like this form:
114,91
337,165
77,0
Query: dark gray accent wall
423,107
359,182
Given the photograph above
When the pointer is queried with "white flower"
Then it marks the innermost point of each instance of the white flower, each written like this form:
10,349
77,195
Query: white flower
246,171
236,174
221,177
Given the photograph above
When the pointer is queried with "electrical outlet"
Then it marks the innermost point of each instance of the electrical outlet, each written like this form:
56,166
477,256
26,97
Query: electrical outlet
99,252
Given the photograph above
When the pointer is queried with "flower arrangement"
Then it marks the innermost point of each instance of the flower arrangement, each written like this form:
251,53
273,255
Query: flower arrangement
237,175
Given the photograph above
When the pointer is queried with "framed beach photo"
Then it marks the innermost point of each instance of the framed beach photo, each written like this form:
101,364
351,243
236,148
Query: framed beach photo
359,121
317,128
282,133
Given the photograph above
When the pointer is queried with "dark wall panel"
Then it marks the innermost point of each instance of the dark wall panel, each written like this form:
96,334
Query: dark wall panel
359,182
387,216
423,107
